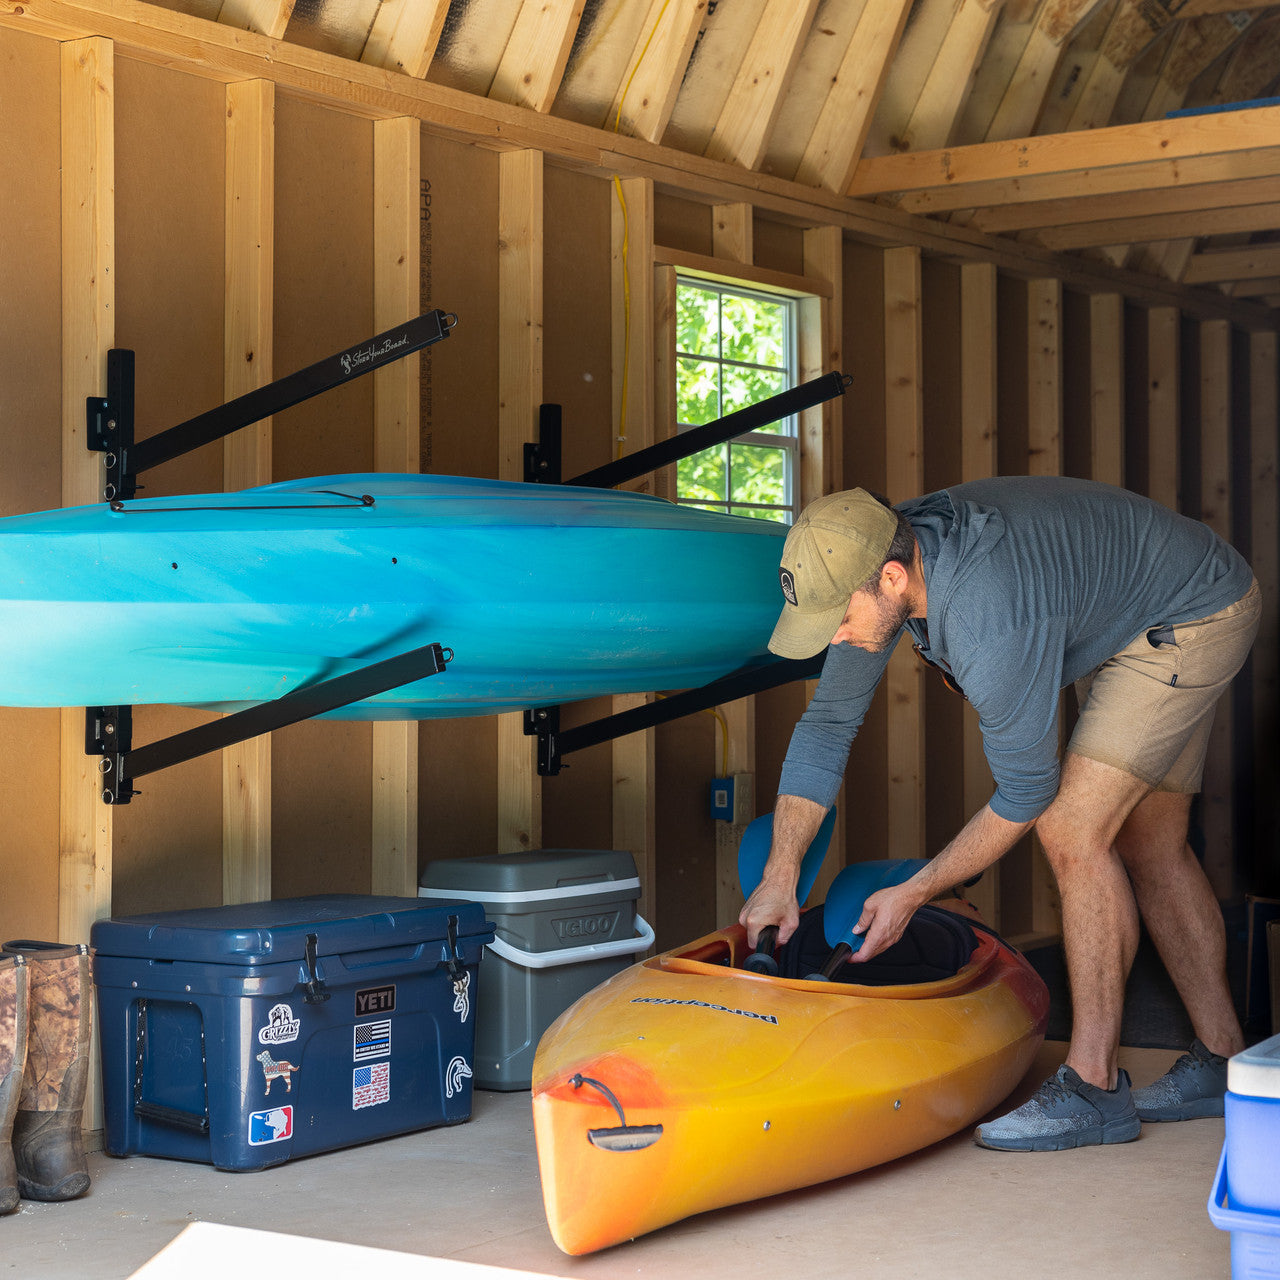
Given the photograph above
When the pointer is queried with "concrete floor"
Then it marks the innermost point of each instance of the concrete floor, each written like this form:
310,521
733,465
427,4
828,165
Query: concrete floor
471,1193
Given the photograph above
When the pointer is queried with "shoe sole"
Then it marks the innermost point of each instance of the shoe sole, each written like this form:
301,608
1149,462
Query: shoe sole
1094,1136
1199,1109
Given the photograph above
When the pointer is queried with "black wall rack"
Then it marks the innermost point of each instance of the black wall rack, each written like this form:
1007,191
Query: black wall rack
542,465
109,429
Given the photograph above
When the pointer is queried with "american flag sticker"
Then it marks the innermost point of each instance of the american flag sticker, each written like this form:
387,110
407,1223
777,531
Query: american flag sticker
370,1085
372,1040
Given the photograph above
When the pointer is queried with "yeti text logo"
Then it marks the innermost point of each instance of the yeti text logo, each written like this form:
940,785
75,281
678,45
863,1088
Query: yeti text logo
596,926
788,585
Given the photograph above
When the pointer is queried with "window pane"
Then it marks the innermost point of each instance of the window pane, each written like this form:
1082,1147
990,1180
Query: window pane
743,387
702,477
758,473
752,513
697,321
697,391
754,330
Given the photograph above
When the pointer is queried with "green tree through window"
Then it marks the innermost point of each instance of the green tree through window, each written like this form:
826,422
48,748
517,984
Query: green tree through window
734,348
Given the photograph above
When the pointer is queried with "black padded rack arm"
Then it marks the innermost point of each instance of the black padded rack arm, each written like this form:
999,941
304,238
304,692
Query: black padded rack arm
110,419
542,465
109,730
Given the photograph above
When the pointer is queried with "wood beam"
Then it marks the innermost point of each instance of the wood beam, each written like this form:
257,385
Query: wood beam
904,477
1164,406
831,156
747,118
1251,263
950,80
1135,205
1044,458
822,433
1056,22
269,18
533,62
1151,180
1120,145
634,376
651,82
978,460
520,318
1163,226
1264,412
1106,388
404,35
397,180
1217,812
248,363
88,332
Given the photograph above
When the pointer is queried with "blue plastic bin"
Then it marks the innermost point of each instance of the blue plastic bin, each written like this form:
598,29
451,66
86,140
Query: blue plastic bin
1255,1234
1246,1193
244,1036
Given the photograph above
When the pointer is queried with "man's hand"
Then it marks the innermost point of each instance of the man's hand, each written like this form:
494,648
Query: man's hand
773,902
884,918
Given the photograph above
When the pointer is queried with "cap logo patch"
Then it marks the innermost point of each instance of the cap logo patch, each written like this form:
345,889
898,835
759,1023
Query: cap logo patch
788,586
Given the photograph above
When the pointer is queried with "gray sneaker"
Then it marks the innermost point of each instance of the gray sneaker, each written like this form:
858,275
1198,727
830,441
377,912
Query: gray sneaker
1065,1112
1190,1090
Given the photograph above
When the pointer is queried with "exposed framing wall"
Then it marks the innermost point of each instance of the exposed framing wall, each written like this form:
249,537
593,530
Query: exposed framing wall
280,215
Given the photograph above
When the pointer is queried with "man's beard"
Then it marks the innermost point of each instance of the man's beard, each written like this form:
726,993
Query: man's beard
891,617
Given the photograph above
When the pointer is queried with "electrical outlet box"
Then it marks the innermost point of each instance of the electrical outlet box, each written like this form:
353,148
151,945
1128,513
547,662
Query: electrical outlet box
722,790
732,799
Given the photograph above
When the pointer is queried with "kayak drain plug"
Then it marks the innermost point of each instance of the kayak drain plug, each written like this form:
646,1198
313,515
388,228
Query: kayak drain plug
622,1137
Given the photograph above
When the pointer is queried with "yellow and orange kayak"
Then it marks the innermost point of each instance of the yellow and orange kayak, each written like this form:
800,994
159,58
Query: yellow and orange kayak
687,1083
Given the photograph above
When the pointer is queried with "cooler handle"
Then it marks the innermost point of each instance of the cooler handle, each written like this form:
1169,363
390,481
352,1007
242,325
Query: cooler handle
573,955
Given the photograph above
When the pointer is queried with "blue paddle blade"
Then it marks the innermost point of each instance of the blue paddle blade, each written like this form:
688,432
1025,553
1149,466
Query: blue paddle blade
753,853
852,887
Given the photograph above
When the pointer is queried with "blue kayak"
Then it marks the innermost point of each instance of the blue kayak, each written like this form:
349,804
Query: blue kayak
544,593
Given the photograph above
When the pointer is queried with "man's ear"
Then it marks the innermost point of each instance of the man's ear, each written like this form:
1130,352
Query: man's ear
894,575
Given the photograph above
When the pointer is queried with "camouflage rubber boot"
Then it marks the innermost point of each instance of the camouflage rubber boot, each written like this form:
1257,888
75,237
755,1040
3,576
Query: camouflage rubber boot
48,1145
13,1058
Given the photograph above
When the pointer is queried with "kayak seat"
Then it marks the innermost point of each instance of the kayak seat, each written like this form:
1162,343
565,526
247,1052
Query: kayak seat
936,944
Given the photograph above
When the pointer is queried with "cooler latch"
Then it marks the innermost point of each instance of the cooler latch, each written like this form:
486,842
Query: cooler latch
453,961
313,990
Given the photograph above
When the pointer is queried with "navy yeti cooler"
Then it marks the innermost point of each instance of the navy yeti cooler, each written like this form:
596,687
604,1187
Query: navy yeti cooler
247,1035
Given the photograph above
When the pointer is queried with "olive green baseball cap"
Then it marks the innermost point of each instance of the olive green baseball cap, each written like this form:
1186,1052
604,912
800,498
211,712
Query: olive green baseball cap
835,548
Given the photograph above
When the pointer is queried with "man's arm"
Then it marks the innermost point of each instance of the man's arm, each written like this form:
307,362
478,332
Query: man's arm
985,839
795,823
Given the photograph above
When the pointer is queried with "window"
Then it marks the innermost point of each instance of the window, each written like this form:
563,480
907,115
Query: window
735,347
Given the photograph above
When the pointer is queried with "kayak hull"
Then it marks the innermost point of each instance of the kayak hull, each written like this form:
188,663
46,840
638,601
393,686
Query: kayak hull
758,1085
542,593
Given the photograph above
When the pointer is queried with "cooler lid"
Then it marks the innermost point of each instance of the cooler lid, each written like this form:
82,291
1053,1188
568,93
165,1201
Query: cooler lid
1255,1072
266,932
514,877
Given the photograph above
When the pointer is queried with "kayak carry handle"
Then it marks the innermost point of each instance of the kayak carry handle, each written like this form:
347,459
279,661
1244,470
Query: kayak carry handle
621,1137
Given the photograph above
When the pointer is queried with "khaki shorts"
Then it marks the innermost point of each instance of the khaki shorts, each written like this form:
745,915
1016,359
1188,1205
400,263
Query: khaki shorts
1149,709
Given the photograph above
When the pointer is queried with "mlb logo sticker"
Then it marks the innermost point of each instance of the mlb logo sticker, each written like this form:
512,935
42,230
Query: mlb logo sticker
370,1085
270,1126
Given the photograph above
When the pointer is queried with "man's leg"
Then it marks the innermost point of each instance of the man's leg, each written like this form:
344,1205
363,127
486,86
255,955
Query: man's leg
1182,915
1088,1100
1099,914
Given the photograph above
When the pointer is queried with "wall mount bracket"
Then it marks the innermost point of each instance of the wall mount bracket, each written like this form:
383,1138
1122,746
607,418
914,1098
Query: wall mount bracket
109,429
109,730
109,419
542,465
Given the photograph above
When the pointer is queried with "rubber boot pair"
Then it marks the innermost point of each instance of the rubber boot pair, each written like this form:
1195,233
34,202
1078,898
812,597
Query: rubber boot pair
46,995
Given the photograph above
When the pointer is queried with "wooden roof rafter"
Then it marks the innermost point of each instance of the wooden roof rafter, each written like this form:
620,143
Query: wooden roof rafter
405,35
534,59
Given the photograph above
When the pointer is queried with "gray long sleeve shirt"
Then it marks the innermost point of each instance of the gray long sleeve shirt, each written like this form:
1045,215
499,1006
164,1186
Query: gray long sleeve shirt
1032,583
